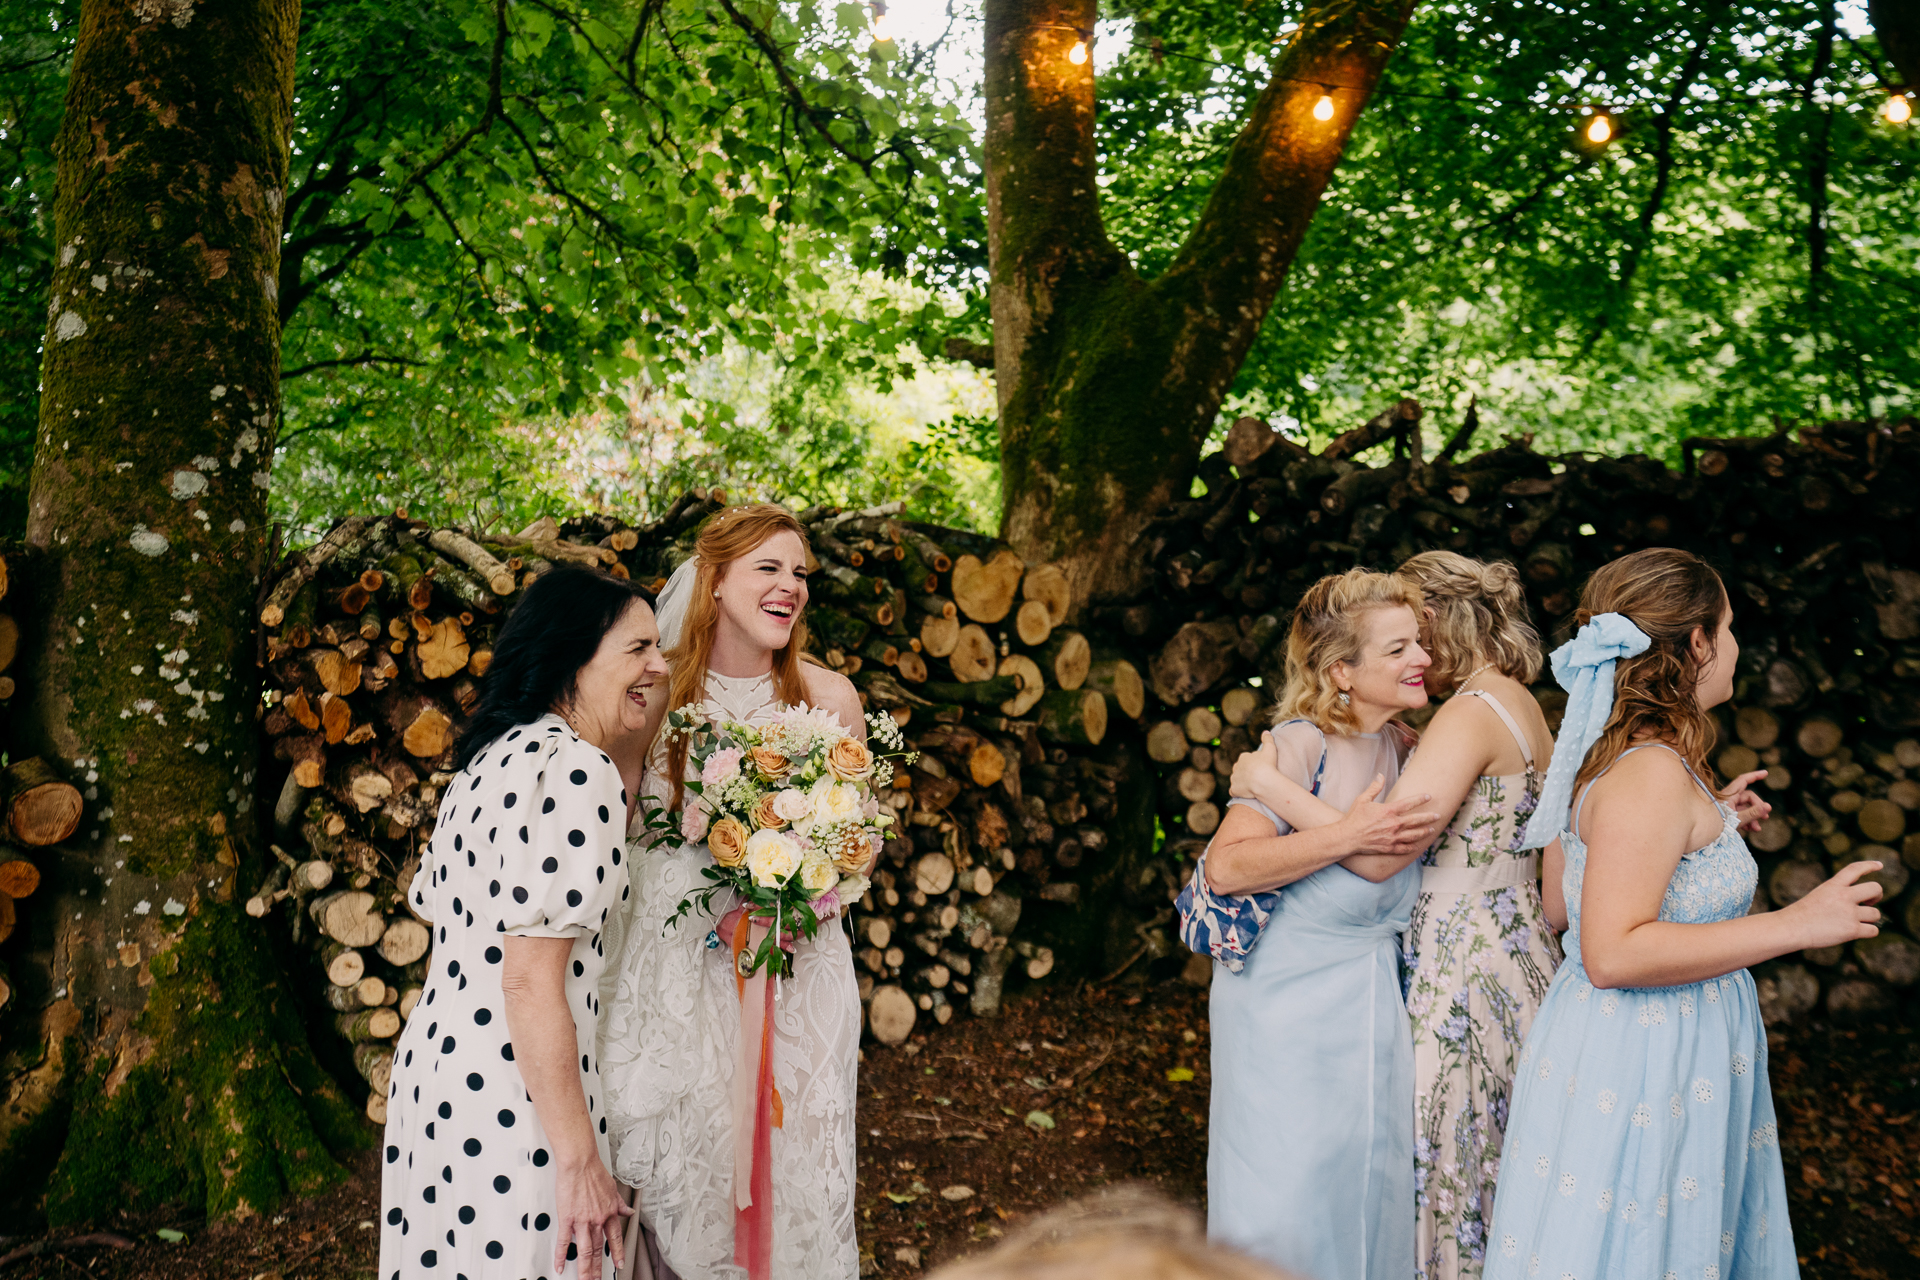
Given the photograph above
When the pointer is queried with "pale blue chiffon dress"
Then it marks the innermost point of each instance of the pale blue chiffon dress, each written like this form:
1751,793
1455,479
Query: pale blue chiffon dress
1642,1140
1310,1140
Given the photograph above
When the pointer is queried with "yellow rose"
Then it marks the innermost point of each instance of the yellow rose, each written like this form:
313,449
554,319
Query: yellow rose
850,761
771,858
766,815
772,765
727,841
817,874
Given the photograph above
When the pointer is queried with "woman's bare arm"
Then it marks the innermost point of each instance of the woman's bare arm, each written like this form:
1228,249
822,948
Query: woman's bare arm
587,1203
1553,892
1638,822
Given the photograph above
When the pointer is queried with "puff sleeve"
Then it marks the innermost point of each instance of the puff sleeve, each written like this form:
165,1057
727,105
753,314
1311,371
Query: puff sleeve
1298,746
559,838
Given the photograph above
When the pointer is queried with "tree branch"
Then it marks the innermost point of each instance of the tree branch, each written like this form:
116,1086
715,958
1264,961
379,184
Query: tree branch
815,116
366,357
1277,169
495,105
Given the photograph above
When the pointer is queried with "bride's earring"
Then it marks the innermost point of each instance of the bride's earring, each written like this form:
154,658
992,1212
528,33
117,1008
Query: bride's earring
1346,699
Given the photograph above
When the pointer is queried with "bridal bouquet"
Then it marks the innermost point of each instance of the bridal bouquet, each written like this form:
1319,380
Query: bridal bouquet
788,811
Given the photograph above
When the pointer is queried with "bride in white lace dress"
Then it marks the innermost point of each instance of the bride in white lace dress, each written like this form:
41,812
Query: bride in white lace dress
730,625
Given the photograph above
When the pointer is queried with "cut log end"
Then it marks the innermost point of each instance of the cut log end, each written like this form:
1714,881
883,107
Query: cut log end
41,808
891,1014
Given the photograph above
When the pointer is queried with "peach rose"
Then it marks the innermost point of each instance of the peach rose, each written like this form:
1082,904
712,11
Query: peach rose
772,765
727,841
766,813
852,849
850,761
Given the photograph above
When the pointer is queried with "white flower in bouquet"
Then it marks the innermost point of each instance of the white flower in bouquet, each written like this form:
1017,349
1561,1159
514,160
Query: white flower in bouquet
772,856
852,888
835,801
792,804
817,874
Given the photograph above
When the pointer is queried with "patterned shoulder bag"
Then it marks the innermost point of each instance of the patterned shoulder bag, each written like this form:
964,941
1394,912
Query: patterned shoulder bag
1226,925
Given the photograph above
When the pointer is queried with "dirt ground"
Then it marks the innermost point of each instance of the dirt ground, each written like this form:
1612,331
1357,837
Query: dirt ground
980,1123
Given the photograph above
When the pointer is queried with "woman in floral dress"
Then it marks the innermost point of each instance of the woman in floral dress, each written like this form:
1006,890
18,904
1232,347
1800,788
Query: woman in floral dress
1479,953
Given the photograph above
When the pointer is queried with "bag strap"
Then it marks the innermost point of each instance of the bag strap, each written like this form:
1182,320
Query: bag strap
1319,770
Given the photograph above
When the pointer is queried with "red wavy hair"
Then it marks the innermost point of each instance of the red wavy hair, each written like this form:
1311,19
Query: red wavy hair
728,536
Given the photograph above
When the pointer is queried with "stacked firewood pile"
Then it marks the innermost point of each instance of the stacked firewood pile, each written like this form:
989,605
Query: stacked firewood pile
38,808
1815,536
375,641
1049,744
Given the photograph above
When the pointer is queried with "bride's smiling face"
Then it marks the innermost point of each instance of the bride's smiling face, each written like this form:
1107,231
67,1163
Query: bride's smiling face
760,595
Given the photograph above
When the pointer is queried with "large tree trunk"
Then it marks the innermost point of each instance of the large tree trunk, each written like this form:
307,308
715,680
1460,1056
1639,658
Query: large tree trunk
1108,383
169,1065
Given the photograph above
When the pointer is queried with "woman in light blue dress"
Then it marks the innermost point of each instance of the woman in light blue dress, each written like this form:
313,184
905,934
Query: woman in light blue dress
1310,1145
1642,1140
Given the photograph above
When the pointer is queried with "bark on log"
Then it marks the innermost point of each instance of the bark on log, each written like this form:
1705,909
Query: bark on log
369,1024
497,578
1119,680
1072,716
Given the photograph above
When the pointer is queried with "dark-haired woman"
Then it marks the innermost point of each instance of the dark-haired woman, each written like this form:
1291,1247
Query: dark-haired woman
1642,1140
496,1149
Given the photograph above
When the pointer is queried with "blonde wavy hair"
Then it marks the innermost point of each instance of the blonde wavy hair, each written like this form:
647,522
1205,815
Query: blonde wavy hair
1476,612
1124,1232
1329,626
1666,593
728,536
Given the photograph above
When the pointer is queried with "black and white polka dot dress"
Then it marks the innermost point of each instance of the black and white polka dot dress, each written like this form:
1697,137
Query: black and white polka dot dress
529,841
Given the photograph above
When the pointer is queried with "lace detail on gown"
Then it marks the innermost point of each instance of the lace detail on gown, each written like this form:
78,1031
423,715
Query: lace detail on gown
667,1054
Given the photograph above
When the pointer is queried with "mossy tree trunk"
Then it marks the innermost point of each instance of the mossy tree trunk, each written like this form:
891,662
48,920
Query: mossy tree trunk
1109,382
155,1057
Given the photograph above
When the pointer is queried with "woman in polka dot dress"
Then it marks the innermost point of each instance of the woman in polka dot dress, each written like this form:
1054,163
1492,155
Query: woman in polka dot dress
496,1150
1642,1139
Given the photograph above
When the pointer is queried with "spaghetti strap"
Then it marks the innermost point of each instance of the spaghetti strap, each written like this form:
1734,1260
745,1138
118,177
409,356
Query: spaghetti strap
1506,718
1574,825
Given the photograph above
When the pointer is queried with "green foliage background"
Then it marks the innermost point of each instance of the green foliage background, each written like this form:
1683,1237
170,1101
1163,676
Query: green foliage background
544,254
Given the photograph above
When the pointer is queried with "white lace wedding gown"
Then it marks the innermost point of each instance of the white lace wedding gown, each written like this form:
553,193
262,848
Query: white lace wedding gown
667,1045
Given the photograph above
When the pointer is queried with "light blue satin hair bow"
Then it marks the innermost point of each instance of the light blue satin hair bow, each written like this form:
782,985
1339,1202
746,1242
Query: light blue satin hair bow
1584,668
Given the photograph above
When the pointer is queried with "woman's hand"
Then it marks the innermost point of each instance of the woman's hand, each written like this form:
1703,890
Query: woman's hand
1749,810
588,1209
1388,828
1840,910
1255,772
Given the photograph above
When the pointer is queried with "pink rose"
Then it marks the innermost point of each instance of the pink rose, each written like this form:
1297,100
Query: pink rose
721,766
693,823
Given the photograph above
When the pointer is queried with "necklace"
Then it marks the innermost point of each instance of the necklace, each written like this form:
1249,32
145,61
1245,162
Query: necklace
1471,676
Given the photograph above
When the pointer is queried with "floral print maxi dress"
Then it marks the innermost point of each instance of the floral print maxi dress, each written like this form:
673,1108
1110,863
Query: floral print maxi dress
1481,956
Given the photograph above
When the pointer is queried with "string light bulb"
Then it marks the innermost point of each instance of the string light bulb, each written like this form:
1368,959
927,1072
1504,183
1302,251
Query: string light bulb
882,33
1898,109
1600,130
1078,54
1323,109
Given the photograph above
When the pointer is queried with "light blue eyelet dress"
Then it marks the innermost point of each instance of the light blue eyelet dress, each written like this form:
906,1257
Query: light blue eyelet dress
1310,1139
1642,1139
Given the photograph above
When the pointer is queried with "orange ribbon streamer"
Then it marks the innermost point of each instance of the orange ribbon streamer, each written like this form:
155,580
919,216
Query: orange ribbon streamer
757,1110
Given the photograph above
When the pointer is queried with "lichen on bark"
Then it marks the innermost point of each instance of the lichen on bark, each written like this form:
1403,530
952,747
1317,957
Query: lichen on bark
179,1071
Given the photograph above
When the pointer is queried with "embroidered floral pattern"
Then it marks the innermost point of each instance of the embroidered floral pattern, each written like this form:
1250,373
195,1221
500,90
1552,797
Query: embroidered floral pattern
1478,965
